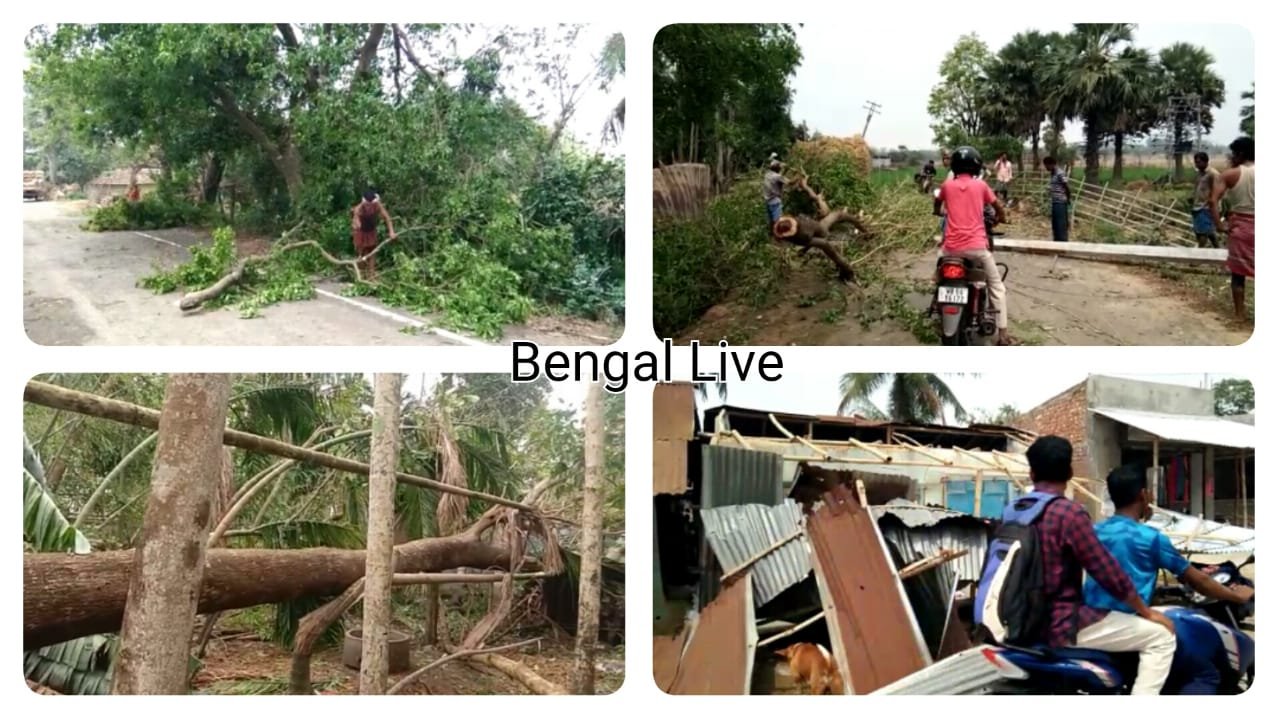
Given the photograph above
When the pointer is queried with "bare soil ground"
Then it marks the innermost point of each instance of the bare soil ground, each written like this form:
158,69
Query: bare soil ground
252,666
1053,301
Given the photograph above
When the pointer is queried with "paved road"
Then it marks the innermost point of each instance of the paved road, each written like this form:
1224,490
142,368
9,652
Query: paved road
80,288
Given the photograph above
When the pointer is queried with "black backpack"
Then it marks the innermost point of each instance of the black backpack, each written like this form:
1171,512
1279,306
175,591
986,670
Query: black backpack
1011,603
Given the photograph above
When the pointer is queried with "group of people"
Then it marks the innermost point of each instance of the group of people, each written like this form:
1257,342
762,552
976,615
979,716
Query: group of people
1122,556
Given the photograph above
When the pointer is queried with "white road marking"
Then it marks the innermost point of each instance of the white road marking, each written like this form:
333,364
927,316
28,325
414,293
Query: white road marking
161,240
403,319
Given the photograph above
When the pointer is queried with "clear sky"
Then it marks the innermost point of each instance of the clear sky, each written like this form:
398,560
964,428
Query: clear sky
841,70
817,392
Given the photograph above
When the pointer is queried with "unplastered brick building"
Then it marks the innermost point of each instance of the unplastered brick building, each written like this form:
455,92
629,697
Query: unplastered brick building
1196,462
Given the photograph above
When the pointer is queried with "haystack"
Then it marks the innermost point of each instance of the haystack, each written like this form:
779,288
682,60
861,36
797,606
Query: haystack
838,168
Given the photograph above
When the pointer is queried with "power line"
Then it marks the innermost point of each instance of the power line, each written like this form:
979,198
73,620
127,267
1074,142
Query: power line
873,109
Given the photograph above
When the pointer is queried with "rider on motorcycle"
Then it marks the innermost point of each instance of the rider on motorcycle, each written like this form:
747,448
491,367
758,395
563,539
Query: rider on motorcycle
964,199
1143,552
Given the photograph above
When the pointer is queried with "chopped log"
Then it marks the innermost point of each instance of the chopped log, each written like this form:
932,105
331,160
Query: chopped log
70,596
1129,254
53,396
520,673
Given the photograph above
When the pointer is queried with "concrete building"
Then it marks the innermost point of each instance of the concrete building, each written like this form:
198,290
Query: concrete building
1197,462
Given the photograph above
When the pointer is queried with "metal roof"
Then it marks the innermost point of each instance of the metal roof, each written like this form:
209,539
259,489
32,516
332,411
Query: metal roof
1204,429
1202,537
740,532
924,542
965,673
915,515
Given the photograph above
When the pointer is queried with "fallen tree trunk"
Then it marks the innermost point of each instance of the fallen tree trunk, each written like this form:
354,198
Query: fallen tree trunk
70,596
60,398
193,300
808,233
520,673
310,628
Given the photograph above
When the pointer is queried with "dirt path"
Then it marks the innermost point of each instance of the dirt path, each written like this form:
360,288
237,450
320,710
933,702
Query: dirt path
79,288
1052,302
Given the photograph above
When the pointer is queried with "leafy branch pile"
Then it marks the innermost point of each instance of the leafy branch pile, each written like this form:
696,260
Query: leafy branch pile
264,127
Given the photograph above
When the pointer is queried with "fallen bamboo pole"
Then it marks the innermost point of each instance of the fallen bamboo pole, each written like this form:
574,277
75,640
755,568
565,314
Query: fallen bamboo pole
442,578
758,556
59,398
796,438
792,631
413,676
922,566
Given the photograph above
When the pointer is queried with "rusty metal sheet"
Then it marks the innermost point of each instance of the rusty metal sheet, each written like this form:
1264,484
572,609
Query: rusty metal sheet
674,411
666,658
719,656
670,467
879,641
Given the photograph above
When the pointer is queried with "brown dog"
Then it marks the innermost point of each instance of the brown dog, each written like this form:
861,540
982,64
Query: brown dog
813,665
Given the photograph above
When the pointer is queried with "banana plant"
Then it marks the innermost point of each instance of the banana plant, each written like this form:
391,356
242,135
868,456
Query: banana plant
81,666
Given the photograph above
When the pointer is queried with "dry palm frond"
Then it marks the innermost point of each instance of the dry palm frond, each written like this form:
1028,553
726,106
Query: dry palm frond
451,511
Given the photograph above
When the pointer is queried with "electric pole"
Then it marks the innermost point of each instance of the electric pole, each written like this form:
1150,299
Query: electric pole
873,109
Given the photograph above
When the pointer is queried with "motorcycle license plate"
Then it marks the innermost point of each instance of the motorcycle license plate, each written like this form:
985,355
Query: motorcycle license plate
952,295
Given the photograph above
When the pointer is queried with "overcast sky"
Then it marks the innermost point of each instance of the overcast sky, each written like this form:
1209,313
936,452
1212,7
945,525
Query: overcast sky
843,70
570,395
818,393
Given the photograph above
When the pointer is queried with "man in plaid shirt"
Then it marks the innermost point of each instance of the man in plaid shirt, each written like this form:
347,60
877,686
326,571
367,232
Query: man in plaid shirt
1070,548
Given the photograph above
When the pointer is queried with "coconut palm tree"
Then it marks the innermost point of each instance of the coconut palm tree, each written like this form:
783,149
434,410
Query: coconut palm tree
1097,78
1188,72
1246,112
913,397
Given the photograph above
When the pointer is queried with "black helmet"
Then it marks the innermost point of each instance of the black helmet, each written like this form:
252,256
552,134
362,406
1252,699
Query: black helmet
966,160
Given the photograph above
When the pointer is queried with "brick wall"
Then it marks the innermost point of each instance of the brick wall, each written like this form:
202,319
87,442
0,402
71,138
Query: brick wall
1063,415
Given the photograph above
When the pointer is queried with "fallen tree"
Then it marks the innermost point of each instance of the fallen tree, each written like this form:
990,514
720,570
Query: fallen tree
195,299
808,233
70,596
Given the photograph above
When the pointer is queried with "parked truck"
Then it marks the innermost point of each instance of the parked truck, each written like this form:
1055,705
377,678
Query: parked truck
34,186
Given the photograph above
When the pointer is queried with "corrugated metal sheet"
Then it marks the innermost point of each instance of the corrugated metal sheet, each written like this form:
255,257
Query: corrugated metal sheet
875,635
922,542
1206,429
674,411
734,476
914,514
965,673
666,658
740,532
670,467
719,656
1210,538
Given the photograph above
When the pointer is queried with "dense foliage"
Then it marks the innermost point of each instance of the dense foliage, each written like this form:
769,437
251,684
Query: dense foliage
269,126
720,95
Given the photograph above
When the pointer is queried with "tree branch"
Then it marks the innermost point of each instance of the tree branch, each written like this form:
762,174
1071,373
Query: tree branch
370,49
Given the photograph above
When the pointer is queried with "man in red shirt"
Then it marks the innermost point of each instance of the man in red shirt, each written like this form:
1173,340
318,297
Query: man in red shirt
1070,548
964,198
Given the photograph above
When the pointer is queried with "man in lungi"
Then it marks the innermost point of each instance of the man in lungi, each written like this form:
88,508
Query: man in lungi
364,227
1234,188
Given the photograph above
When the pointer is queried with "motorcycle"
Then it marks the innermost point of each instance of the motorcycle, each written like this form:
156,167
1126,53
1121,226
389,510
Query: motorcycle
960,298
1207,630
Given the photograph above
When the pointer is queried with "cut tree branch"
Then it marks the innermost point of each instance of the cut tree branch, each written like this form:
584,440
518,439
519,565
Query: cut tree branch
370,49
53,396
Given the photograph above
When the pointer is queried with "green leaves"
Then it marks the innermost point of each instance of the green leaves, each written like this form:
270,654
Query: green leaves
44,527
76,667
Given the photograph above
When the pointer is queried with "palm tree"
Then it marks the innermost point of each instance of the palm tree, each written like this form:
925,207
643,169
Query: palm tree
1141,112
722,390
913,397
1188,72
611,64
1098,78
1246,112
1015,75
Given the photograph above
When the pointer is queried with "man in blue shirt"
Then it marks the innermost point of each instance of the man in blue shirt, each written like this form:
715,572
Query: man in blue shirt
1143,552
